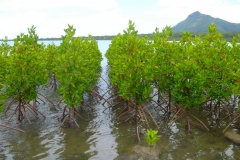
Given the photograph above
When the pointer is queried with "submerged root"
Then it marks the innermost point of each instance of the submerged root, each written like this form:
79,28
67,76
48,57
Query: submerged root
69,116
46,99
185,112
98,95
132,111
138,113
119,101
21,111
10,105
238,116
9,127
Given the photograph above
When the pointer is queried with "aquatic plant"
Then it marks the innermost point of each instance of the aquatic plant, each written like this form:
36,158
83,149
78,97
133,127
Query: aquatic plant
77,70
131,73
151,137
24,72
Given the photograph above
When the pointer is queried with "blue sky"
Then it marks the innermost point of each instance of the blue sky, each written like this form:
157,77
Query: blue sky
104,17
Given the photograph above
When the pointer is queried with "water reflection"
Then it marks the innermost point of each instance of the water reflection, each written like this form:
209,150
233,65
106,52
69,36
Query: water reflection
103,141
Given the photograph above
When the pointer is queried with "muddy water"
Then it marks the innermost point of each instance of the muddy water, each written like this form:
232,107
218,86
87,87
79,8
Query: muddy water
101,137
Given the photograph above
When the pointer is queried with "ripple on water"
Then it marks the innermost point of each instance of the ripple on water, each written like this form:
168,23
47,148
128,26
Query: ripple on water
102,142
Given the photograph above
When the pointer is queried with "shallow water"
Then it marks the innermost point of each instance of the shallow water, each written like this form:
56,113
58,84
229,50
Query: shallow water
101,137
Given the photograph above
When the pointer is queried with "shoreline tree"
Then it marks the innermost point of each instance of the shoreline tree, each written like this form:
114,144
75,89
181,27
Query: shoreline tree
25,71
77,70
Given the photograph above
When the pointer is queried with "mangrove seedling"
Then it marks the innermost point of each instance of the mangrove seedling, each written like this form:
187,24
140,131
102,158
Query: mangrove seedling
151,137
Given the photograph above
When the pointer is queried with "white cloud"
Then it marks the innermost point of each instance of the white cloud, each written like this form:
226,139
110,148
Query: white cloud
187,3
9,5
104,17
51,17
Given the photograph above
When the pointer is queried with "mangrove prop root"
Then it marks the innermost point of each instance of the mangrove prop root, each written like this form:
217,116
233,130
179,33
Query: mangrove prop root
11,117
96,87
105,81
159,105
105,93
188,123
229,115
124,110
40,100
33,113
111,97
76,112
9,127
106,100
130,117
153,119
137,130
21,111
59,102
218,108
64,111
24,112
176,116
47,99
123,114
16,109
36,110
231,123
35,103
145,119
63,120
10,105
161,98
167,114
179,116
69,116
87,105
182,112
109,92
101,97
75,122
33,110
118,102
63,117
199,121
138,113
197,125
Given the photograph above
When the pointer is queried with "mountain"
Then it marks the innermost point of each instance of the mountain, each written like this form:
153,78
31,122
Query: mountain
198,22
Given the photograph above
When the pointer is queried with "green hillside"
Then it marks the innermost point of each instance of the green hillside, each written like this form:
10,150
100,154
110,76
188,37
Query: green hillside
198,22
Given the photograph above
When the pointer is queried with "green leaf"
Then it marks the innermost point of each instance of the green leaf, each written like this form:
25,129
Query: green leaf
151,137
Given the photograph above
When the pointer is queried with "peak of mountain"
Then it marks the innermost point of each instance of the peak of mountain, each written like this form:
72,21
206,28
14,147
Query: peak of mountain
194,14
198,22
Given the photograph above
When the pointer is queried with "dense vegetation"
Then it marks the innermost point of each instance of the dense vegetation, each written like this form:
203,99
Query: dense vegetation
72,67
4,50
24,72
131,71
198,72
77,69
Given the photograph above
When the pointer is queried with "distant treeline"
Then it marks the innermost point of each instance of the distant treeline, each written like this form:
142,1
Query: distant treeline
95,37
176,36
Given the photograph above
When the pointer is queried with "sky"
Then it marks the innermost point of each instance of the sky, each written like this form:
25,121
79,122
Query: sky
104,17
